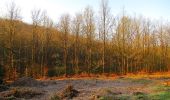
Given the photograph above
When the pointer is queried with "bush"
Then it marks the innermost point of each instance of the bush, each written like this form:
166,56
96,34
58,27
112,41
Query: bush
55,97
57,71
51,73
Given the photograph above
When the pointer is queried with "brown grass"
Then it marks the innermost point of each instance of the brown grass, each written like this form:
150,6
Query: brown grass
110,76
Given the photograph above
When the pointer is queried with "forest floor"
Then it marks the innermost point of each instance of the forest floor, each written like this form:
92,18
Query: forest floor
105,88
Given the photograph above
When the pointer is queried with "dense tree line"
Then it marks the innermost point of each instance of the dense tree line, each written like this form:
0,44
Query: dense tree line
85,43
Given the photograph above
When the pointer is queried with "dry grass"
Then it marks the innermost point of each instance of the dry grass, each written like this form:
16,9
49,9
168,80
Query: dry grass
21,92
26,81
93,86
67,93
110,76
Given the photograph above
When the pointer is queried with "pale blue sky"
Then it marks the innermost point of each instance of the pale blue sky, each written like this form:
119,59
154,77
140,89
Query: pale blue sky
153,9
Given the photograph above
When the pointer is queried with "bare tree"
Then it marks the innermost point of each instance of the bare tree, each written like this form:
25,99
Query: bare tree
77,29
89,31
104,26
13,15
64,26
36,21
162,36
48,25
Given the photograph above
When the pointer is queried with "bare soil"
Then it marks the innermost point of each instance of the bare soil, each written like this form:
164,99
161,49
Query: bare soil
88,88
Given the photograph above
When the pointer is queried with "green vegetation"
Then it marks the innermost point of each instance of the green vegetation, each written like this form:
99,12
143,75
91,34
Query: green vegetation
165,95
55,97
142,81
160,92
155,96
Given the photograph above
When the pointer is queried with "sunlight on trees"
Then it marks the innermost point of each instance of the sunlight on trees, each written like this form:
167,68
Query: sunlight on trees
89,42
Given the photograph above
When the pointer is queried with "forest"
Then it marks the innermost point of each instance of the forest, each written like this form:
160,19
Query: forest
88,42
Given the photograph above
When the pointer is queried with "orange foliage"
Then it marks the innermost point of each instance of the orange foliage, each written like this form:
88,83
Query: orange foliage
109,76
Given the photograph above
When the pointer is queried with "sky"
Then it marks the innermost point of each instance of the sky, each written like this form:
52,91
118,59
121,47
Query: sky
153,9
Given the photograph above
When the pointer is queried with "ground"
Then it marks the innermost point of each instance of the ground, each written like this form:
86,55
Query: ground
106,88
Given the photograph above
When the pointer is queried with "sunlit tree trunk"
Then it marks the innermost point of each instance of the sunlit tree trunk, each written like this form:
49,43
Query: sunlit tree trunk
13,14
64,26
36,21
89,29
77,29
104,25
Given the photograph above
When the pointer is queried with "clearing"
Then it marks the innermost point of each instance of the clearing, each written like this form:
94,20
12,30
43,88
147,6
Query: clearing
106,88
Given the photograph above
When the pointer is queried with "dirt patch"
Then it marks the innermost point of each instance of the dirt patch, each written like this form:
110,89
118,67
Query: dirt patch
69,92
24,93
26,81
138,93
106,92
88,89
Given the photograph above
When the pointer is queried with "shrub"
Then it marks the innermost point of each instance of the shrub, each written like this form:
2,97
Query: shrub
55,97
51,73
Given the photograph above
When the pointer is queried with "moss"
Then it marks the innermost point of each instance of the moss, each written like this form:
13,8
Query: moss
162,93
108,98
165,95
124,97
55,97
140,96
